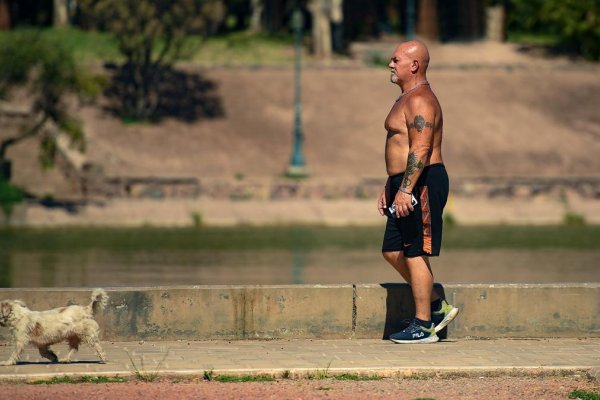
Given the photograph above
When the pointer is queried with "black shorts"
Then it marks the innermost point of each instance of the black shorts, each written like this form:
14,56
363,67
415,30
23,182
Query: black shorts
420,233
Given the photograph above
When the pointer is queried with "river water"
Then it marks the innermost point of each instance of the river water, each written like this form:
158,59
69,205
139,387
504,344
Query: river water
99,267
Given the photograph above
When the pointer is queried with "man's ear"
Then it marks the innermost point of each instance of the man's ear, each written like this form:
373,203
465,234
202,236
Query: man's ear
414,66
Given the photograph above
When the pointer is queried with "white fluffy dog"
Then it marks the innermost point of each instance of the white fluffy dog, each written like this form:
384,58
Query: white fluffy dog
73,324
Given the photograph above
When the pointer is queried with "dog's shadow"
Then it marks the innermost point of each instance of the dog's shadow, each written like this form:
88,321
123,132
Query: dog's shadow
58,362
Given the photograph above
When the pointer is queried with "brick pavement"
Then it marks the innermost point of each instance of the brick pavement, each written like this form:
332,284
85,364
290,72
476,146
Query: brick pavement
302,356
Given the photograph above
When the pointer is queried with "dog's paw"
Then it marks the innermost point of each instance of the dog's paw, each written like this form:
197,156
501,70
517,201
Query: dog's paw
8,362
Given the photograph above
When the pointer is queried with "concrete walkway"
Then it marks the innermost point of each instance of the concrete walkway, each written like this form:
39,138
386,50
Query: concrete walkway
302,357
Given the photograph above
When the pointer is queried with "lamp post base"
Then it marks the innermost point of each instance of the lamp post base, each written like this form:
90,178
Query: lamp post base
297,171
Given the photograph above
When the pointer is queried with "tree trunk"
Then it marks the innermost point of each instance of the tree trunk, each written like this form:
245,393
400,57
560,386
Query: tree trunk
321,27
60,13
5,170
5,21
257,15
428,26
337,24
494,30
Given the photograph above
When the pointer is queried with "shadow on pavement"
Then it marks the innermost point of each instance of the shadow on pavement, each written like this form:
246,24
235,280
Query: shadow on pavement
400,308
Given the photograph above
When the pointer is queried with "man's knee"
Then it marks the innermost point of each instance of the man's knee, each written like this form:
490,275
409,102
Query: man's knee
391,256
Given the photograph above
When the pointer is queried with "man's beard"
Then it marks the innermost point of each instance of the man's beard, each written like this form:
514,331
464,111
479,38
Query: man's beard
394,78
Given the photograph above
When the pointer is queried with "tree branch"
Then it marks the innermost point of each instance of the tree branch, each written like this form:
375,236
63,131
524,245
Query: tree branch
5,144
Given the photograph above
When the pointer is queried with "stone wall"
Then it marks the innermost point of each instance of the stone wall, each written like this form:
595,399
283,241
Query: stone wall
327,311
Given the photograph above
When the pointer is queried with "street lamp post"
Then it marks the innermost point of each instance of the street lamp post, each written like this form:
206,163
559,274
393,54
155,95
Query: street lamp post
410,19
297,167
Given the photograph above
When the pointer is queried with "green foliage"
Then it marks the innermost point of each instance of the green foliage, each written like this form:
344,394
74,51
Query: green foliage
197,219
232,49
449,220
80,379
320,373
243,378
151,36
48,70
9,196
576,23
376,59
356,377
572,218
91,86
584,395
209,375
140,373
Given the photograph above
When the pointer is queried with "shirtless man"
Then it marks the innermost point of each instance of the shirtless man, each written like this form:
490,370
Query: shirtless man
416,191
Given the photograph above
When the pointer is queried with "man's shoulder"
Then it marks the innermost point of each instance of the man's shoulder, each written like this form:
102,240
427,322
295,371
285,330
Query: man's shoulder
423,99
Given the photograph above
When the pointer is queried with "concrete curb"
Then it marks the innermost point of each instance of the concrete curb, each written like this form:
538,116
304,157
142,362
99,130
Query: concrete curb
327,311
310,373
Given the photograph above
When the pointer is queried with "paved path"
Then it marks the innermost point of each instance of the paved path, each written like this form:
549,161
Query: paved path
301,357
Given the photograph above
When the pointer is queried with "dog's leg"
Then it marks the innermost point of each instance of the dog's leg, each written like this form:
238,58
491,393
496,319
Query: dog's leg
74,346
14,357
67,359
47,353
95,343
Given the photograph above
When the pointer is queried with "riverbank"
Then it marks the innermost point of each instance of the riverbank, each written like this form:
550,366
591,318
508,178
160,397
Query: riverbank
344,212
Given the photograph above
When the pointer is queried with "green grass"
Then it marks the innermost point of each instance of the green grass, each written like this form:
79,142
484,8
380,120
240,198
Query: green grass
534,39
243,49
140,373
233,49
288,238
243,378
87,46
80,379
584,395
356,377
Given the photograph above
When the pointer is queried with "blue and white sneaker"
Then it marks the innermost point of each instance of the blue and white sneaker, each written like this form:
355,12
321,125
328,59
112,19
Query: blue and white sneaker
415,333
444,316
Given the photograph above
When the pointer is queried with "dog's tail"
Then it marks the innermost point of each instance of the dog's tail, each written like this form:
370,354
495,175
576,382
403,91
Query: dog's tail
99,300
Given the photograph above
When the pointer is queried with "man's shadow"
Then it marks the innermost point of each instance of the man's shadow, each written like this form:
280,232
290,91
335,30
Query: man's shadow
400,308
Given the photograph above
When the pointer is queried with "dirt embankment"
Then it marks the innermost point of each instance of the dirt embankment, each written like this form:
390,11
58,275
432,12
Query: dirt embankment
524,120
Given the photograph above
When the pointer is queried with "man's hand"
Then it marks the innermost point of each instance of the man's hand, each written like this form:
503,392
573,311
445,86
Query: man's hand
381,204
403,202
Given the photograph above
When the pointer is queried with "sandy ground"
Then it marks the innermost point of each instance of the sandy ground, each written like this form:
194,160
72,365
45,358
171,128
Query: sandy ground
499,388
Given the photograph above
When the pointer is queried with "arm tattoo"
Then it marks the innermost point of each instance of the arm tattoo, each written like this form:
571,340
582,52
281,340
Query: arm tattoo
412,166
419,123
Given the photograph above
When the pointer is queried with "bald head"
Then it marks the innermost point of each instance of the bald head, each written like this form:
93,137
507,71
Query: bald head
417,51
409,63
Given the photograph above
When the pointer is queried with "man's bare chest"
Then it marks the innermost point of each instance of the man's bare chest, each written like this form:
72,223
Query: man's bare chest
395,122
